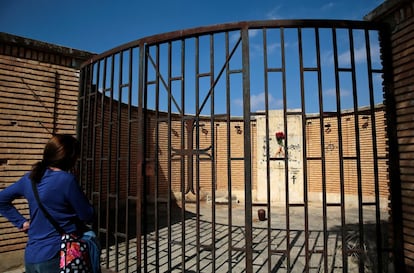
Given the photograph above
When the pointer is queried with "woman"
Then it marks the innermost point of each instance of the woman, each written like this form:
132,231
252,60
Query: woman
59,193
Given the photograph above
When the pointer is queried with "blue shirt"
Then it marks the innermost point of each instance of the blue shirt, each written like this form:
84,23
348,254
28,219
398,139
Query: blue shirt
62,197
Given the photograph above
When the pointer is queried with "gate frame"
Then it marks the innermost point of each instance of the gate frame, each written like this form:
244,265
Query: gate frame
144,43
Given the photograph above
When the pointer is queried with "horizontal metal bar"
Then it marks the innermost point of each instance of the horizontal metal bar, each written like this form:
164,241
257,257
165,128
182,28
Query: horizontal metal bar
276,158
207,74
296,204
314,158
310,69
333,204
235,71
275,70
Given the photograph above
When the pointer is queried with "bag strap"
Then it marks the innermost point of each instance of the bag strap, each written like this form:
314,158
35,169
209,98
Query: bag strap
45,212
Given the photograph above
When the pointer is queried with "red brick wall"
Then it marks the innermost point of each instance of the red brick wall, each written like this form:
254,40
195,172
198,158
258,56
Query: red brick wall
331,148
399,15
332,159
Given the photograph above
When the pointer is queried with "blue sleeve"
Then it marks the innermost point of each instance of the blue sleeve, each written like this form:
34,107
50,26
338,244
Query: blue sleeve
7,209
79,202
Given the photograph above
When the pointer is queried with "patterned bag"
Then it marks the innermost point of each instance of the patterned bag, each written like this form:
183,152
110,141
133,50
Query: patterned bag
77,254
74,255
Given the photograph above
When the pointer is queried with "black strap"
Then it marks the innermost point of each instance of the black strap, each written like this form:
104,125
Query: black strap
45,212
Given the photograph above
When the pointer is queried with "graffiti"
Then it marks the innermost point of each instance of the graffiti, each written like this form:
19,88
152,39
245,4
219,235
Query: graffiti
330,147
293,147
279,151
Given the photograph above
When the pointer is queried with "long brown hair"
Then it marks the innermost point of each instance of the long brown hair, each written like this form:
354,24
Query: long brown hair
61,152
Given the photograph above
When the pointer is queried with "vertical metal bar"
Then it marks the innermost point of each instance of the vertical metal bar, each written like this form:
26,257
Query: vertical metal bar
374,152
92,141
358,149
229,167
118,148
156,147
197,193
140,155
146,181
213,174
247,149
284,92
182,159
109,162
305,178
268,189
98,182
169,221
101,164
323,156
128,163
341,153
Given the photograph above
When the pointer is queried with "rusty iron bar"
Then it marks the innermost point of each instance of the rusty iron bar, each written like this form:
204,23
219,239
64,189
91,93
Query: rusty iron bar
247,149
229,165
323,156
340,150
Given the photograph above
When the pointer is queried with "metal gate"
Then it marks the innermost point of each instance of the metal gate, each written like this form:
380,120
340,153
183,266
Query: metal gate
245,147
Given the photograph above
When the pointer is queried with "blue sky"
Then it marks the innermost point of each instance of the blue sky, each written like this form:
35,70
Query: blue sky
99,25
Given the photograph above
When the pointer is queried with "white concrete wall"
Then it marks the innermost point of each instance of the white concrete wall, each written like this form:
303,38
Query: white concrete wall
293,151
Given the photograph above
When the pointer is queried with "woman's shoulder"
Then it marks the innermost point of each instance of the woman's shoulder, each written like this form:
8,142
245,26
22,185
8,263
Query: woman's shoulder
60,177
24,179
59,181
59,173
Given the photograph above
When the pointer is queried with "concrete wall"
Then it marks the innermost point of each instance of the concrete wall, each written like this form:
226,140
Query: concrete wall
294,138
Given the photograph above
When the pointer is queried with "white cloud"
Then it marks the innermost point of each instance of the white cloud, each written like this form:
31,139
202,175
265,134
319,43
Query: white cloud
257,102
375,53
273,14
238,102
344,59
327,57
331,92
328,6
360,55
254,32
235,36
272,47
